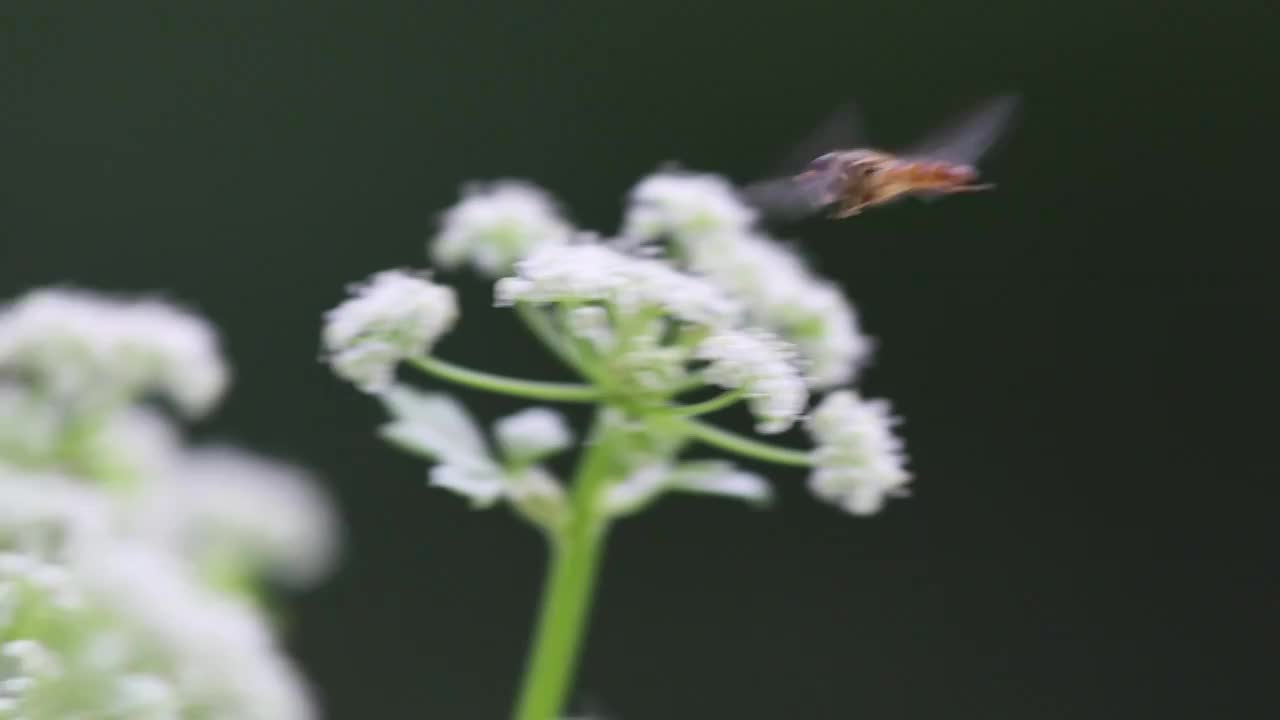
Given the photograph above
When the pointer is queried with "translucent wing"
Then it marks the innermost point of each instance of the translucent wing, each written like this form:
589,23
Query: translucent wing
841,129
968,137
791,196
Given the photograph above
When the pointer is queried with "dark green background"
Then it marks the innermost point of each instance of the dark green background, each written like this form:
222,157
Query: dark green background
1081,356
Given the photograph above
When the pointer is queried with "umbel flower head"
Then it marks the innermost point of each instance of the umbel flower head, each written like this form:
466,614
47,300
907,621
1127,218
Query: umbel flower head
589,272
692,311
394,315
496,224
265,513
125,631
764,367
100,350
859,460
691,296
685,204
714,234
131,564
782,294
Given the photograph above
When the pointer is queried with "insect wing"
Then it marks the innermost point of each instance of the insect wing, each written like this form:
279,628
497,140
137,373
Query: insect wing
789,198
965,140
796,193
842,129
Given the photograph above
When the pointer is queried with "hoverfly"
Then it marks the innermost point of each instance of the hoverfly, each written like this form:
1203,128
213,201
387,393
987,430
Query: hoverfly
844,181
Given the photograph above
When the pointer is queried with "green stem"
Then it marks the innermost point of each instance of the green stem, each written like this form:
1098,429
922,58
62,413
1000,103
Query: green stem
566,596
540,324
532,389
718,402
744,446
693,382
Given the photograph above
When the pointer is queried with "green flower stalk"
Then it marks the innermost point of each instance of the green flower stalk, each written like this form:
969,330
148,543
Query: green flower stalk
690,311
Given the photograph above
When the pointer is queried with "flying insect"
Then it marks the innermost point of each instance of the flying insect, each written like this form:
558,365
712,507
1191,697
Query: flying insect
843,181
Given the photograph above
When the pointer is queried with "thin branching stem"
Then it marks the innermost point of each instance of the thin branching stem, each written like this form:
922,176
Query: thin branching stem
530,389
744,446
540,324
706,407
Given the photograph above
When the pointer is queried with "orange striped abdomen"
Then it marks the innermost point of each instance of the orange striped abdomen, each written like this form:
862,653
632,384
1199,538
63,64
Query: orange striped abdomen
925,175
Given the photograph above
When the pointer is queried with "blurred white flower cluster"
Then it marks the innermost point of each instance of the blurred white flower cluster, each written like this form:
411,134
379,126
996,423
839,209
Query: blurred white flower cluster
497,224
82,348
132,566
860,460
393,316
437,427
691,294
716,236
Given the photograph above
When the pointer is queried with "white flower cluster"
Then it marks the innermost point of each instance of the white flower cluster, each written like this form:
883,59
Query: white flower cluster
648,363
30,440
781,293
681,204
859,459
591,324
532,434
439,428
239,505
763,366
636,320
98,349
125,556
393,316
124,631
494,225
713,232
589,272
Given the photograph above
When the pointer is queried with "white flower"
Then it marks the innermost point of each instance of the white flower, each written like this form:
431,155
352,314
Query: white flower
684,205
216,651
482,485
649,364
531,490
267,512
29,664
784,295
591,323
537,495
139,442
495,225
532,434
146,639
438,427
705,477
435,425
393,316
859,459
588,273
102,350
764,367
47,511
30,427
31,657
145,696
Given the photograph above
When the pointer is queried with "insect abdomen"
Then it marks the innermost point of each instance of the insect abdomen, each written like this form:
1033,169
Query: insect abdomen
936,174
